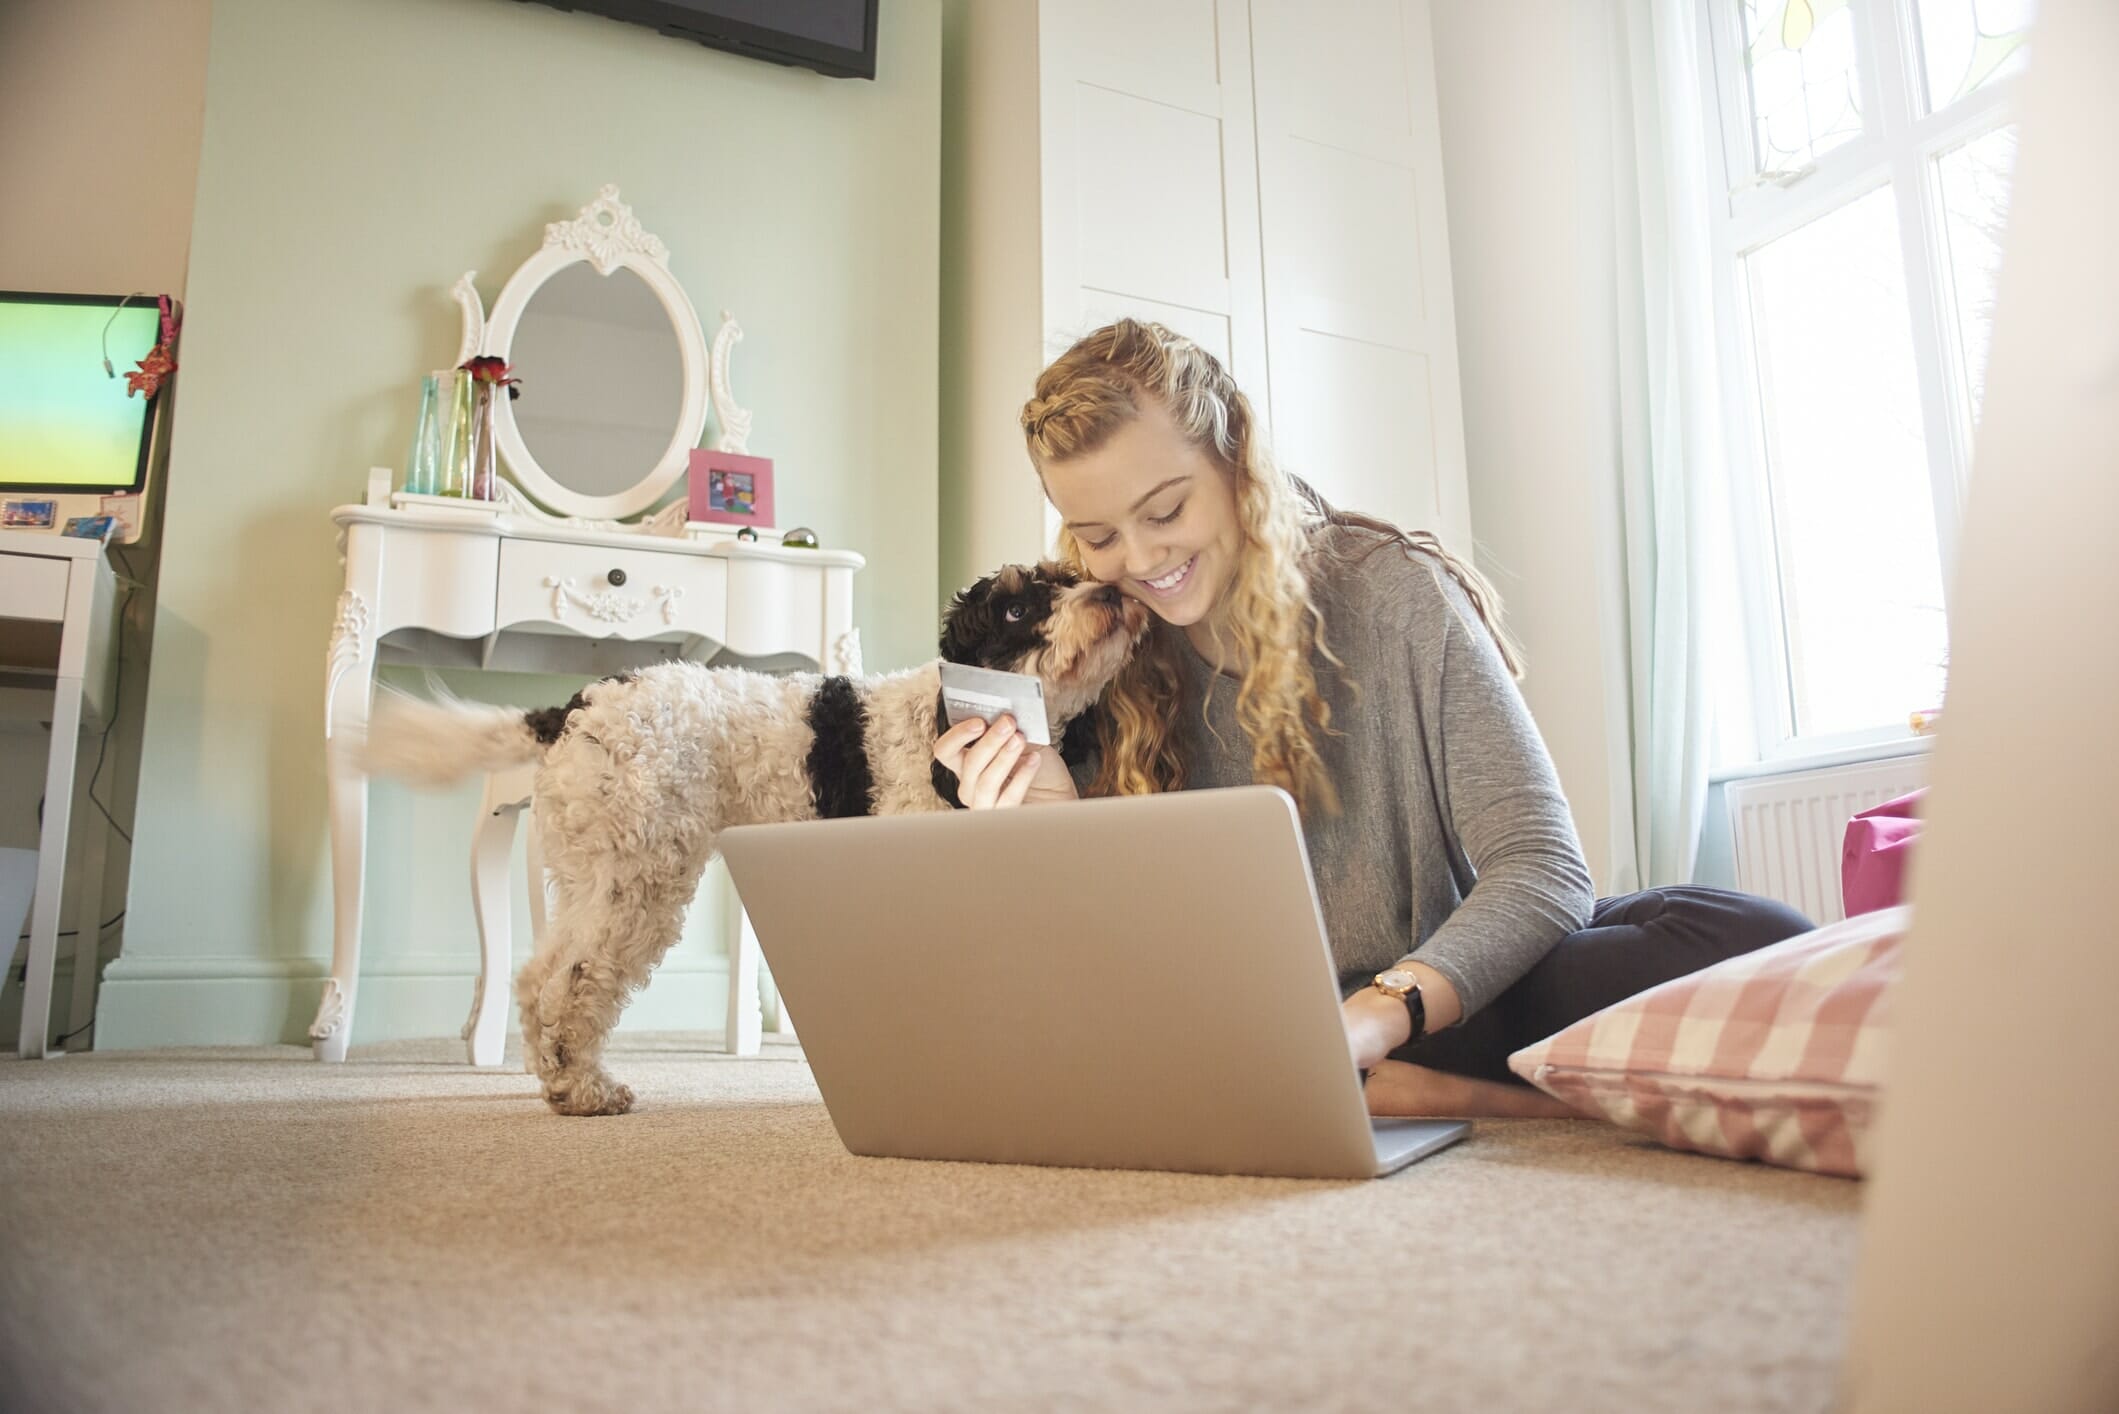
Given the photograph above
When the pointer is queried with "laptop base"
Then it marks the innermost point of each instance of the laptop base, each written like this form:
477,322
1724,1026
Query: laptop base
1401,1141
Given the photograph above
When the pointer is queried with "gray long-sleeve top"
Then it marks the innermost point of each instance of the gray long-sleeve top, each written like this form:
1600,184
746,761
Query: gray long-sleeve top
1454,843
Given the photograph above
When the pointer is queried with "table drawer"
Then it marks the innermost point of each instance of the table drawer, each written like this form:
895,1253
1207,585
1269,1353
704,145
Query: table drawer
611,593
32,587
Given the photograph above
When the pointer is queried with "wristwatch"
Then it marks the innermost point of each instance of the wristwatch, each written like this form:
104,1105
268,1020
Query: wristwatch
1399,983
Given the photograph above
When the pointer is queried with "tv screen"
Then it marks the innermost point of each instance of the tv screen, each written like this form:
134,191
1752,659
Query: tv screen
65,424
835,37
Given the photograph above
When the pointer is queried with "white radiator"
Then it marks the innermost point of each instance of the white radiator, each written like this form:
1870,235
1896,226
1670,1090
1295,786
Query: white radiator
1787,830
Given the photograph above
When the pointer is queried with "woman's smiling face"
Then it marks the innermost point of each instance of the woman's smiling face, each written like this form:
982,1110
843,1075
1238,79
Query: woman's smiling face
1154,515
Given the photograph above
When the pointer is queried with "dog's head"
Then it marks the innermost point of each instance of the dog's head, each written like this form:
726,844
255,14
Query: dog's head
1046,620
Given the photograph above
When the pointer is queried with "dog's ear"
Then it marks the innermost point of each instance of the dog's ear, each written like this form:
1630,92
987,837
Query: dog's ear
966,623
944,779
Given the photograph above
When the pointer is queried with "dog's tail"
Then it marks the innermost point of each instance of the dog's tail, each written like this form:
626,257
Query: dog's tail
438,742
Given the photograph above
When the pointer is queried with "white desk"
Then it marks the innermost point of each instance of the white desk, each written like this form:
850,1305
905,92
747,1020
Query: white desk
476,588
60,590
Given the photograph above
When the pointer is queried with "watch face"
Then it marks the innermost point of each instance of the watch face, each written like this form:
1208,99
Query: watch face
1397,977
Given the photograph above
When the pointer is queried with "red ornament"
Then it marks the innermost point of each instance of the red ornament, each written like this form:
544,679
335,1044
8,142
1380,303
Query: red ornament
153,369
159,363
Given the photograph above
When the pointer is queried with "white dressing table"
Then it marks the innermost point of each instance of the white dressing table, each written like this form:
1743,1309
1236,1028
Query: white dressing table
552,578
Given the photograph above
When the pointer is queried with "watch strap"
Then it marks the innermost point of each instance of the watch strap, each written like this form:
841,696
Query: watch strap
1416,1007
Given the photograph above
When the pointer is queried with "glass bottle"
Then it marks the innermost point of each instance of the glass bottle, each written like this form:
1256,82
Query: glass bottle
484,462
423,467
456,463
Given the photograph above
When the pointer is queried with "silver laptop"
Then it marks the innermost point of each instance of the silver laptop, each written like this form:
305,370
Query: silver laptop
1137,983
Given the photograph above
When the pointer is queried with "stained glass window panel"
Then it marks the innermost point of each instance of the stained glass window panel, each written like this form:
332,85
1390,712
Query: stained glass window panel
1966,44
1805,88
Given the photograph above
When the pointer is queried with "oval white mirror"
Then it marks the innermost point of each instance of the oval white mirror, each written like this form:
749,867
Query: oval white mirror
602,379
613,366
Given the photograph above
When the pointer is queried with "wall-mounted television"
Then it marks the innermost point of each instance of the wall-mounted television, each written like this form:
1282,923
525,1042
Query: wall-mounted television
837,38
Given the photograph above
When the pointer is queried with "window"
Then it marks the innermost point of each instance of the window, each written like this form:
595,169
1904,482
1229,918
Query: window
1866,152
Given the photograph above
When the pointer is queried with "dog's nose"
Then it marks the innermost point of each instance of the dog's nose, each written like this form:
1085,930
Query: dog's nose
1108,594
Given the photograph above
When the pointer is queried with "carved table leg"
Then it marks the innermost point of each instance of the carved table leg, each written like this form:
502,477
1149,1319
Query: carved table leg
349,680
745,1017
507,793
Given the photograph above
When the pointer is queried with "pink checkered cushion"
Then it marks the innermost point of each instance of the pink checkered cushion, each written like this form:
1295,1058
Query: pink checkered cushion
1776,1055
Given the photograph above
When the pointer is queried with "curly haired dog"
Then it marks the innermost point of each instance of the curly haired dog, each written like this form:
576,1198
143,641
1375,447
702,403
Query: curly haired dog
640,773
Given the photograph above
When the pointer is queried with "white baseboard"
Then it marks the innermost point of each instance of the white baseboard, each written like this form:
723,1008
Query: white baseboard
249,1001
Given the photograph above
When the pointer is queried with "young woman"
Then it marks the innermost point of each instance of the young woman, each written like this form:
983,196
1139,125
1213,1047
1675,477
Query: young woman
1363,669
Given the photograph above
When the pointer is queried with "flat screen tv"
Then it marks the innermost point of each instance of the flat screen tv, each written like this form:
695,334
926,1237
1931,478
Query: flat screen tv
837,38
67,424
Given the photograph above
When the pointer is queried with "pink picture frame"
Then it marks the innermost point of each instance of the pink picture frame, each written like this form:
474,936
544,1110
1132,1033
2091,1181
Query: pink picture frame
726,488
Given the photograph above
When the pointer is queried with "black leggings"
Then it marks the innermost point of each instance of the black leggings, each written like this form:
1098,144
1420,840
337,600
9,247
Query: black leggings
1631,944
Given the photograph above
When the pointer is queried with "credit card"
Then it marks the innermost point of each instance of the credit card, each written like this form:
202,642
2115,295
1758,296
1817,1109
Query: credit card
985,693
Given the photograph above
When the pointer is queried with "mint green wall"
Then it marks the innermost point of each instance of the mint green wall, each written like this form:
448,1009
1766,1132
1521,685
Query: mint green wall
359,155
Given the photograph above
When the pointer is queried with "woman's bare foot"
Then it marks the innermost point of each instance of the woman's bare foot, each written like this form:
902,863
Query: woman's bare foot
1404,1089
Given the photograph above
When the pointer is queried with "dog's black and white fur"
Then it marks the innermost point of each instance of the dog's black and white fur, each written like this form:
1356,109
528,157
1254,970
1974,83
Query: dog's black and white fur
639,774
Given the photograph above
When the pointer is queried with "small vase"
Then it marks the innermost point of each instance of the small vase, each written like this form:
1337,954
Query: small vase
484,466
456,460
423,466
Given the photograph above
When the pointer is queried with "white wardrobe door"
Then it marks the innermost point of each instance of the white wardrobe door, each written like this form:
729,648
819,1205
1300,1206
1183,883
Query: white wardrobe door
1360,326
1149,176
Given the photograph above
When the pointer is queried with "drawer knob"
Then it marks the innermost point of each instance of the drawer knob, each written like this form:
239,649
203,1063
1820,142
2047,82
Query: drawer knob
616,577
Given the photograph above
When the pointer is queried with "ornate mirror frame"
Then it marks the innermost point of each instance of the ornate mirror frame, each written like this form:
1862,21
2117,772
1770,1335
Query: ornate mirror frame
607,236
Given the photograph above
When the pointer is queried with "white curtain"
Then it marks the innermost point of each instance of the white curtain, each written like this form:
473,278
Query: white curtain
1670,437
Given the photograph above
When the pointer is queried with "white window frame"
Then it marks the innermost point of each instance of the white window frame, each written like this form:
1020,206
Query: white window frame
1898,145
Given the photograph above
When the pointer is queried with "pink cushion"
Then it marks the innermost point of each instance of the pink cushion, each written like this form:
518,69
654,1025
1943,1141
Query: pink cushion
1775,1055
1872,861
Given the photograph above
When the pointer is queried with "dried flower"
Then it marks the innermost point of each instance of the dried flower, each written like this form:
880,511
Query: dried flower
488,368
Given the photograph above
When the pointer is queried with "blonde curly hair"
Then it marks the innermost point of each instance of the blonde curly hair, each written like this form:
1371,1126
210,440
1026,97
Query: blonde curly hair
1083,398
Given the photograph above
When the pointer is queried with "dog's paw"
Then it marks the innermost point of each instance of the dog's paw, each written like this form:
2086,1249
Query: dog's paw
590,1095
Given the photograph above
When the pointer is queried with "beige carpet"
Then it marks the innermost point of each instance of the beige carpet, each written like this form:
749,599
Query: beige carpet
247,1230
